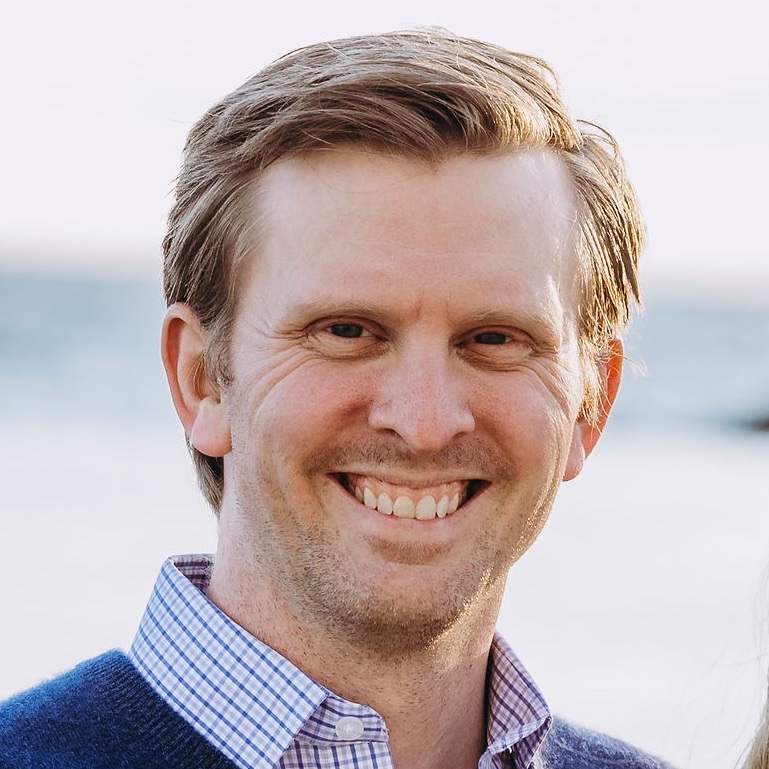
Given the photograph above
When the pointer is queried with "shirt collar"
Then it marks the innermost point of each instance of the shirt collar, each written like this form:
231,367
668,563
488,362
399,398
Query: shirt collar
518,716
252,703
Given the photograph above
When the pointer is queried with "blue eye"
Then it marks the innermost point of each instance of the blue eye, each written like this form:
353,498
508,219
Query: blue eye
490,337
347,330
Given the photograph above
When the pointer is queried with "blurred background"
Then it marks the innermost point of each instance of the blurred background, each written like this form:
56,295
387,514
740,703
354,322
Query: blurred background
654,625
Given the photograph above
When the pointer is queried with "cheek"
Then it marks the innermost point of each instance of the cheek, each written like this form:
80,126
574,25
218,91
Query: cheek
530,418
303,408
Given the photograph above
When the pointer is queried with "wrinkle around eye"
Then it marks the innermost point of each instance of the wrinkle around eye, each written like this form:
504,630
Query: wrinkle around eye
343,340
497,349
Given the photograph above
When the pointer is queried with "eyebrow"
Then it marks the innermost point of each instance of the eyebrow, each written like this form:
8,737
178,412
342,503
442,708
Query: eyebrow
321,306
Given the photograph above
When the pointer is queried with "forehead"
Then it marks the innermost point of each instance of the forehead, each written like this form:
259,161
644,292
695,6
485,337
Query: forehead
503,185
495,223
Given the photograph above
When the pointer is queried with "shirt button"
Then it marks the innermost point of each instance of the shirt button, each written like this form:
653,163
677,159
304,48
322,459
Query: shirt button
349,728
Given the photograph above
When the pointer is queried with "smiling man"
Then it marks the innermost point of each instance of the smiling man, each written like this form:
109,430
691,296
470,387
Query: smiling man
397,274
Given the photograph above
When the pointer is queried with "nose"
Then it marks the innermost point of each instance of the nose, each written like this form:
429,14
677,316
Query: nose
423,399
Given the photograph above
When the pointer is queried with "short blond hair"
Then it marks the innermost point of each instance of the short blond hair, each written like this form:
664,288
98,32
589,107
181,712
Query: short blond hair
426,94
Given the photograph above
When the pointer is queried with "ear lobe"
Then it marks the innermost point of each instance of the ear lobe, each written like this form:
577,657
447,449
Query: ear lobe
196,398
586,433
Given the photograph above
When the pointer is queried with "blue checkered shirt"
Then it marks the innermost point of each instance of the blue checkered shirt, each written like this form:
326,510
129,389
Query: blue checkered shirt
261,711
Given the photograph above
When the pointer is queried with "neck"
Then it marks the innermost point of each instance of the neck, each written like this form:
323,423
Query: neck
429,694
434,706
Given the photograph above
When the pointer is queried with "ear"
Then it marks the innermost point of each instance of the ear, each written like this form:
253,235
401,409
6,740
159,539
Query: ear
586,433
195,396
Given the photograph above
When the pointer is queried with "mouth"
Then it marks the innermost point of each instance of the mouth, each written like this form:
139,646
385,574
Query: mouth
402,501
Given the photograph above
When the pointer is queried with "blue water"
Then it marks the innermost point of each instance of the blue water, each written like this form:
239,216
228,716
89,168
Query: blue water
88,348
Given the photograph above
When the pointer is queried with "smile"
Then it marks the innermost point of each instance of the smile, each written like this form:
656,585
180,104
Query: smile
422,504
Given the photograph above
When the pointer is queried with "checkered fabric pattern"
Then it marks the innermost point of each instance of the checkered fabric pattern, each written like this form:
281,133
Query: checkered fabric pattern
261,711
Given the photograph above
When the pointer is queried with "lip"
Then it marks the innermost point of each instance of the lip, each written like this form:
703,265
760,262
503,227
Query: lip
414,481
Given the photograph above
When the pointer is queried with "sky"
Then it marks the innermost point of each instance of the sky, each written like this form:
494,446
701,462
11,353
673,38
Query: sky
98,98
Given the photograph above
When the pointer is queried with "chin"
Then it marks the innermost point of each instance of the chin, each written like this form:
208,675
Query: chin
396,616
389,630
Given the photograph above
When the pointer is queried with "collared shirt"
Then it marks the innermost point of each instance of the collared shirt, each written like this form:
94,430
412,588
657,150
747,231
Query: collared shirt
261,711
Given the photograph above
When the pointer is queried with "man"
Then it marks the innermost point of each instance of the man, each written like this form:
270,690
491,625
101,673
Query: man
397,273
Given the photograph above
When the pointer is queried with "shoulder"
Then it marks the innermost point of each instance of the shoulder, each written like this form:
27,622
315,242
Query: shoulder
568,746
66,697
100,715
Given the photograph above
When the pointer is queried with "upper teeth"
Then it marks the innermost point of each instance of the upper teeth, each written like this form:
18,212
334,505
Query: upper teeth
403,506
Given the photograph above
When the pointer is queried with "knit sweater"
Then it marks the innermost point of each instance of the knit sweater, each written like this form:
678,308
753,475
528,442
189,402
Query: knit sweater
103,715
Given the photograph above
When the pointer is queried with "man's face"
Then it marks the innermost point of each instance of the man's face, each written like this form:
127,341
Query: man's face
405,384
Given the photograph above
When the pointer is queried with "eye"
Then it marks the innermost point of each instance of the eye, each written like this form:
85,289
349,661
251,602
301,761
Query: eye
345,338
347,330
501,349
491,337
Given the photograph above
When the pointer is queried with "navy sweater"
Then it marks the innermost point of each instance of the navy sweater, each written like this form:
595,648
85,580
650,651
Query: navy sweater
103,715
